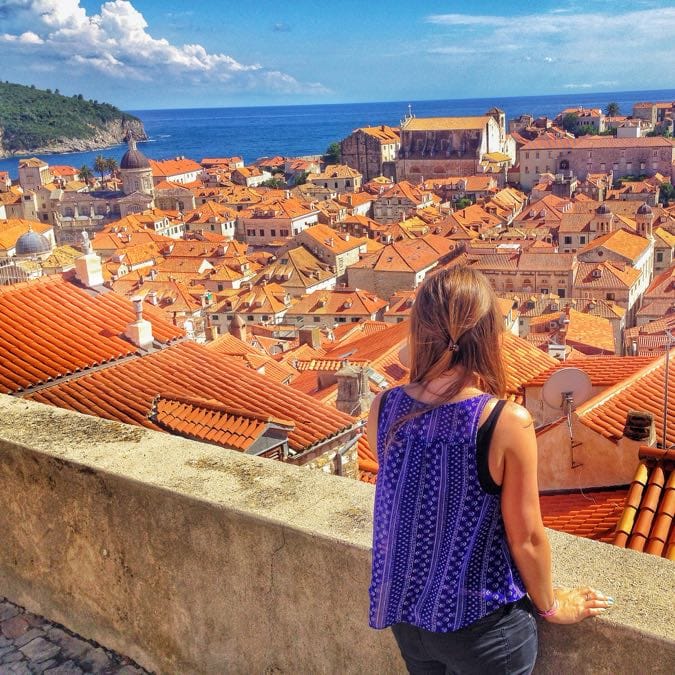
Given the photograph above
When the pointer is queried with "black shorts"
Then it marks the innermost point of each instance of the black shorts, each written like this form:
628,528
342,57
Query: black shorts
504,641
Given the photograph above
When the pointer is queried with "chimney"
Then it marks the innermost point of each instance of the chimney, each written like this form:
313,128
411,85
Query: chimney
238,328
152,297
309,336
353,395
88,267
638,431
140,331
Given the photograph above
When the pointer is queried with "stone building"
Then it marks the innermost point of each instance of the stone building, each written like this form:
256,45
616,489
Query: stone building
450,146
595,154
33,173
372,151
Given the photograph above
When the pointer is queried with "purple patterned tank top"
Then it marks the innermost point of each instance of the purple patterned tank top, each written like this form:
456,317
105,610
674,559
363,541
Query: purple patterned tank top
440,556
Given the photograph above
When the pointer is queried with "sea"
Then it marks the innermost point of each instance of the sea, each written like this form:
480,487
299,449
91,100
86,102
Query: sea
299,130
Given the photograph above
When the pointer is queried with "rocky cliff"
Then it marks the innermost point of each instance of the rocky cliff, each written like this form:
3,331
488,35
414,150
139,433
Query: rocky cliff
37,121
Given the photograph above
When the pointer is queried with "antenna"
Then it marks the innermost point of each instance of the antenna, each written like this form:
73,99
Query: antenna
567,388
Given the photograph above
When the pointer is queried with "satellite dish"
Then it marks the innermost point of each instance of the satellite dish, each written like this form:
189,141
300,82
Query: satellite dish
567,387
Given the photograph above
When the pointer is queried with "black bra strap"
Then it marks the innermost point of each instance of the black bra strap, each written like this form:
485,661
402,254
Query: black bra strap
483,439
383,398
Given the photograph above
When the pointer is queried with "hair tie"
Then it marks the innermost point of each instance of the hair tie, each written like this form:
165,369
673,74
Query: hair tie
452,346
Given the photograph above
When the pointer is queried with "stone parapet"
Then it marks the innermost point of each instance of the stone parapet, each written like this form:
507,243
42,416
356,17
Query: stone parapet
190,558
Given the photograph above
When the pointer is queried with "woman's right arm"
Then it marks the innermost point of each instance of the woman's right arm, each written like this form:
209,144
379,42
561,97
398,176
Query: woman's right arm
528,543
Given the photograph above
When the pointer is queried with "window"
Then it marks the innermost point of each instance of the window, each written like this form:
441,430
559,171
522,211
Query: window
659,256
213,227
249,317
273,233
230,317
220,287
342,319
355,319
283,233
544,291
317,319
561,292
567,240
582,239
609,296
214,317
265,317
527,155
262,232
250,233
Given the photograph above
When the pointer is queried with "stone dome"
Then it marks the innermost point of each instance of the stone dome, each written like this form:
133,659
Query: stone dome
134,158
603,209
32,243
644,209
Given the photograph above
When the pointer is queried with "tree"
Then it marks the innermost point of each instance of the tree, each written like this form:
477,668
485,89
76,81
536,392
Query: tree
570,122
666,193
612,109
111,165
101,165
462,203
301,178
85,174
333,154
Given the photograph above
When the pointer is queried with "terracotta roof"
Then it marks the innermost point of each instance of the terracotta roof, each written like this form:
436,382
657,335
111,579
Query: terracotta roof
335,171
326,237
50,328
644,390
662,286
592,514
648,520
230,345
612,275
412,255
125,392
383,133
211,422
174,167
339,302
522,361
624,243
604,371
441,123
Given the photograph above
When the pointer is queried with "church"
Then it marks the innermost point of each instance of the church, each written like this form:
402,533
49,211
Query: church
452,146
71,211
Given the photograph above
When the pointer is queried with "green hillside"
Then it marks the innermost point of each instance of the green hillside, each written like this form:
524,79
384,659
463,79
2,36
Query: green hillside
33,118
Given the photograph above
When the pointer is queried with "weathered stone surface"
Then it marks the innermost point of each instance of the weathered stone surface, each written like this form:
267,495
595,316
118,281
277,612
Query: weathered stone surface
40,649
7,611
19,668
96,660
12,657
28,636
67,668
14,627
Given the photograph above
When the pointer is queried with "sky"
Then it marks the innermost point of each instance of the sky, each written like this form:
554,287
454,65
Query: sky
142,54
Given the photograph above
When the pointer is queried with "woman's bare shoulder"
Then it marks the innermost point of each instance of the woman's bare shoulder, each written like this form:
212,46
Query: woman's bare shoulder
515,416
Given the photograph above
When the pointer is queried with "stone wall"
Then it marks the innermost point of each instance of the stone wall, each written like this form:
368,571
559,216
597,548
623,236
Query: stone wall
191,559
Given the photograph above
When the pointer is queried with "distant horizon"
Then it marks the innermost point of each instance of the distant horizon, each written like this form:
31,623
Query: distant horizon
404,101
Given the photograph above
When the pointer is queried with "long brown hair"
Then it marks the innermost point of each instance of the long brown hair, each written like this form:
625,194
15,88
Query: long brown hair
455,321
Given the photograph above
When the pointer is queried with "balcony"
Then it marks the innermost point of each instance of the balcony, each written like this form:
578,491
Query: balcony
191,559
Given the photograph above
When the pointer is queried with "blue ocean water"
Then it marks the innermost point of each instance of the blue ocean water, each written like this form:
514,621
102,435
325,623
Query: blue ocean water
308,129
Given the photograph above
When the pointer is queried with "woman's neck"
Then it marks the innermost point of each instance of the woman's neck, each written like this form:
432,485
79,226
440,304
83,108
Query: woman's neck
430,390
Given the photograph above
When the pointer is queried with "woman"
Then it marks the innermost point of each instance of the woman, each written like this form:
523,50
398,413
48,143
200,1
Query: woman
461,560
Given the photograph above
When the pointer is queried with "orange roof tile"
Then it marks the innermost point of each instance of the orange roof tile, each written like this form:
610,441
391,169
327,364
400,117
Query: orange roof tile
50,328
644,390
622,242
604,371
648,520
592,514
174,167
211,422
125,392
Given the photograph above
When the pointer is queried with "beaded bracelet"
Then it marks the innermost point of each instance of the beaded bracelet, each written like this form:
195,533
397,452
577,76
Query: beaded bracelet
551,611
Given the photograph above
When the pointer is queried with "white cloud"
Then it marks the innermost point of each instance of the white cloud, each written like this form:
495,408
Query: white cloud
116,42
615,47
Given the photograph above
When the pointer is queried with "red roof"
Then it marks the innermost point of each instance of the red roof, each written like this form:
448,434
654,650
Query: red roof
648,520
126,391
603,370
50,328
589,514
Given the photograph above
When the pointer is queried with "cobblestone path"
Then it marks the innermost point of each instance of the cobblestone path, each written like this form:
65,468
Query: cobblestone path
30,644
